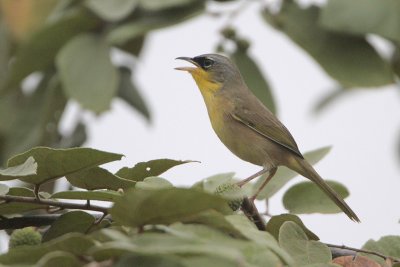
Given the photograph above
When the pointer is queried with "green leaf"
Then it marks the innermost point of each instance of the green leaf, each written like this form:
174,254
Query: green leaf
86,70
275,223
293,239
350,60
284,175
395,61
361,17
56,163
153,183
152,20
387,245
211,183
29,167
98,178
58,258
4,189
167,206
307,197
103,195
129,93
150,168
254,78
74,243
156,5
329,98
15,207
112,10
149,261
73,221
39,51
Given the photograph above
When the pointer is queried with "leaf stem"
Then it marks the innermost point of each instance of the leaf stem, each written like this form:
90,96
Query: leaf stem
363,251
47,203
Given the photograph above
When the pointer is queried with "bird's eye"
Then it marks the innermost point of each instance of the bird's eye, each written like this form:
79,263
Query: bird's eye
207,63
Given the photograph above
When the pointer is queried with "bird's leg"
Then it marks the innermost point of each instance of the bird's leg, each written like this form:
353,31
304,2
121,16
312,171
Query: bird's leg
270,175
244,181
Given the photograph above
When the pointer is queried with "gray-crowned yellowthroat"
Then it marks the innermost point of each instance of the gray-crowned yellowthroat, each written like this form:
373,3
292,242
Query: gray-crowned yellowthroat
246,127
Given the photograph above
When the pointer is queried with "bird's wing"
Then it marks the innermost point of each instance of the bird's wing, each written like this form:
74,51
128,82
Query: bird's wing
266,124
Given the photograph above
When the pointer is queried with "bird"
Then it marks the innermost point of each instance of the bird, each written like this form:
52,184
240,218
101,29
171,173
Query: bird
247,127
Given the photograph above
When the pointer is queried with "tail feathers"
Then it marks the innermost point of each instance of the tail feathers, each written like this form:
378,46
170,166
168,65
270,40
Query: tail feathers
305,169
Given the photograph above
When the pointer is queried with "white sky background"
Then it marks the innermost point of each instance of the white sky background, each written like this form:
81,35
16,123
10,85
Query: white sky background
363,127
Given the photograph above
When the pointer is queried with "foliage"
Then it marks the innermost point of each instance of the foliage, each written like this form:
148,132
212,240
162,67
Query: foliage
148,221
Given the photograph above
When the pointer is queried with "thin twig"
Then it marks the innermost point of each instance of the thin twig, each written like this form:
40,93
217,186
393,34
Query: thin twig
250,210
363,251
52,203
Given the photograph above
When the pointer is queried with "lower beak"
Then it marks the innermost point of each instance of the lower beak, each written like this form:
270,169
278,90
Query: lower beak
188,59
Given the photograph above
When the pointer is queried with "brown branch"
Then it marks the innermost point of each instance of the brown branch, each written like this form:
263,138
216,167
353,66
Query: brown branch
52,203
363,251
251,212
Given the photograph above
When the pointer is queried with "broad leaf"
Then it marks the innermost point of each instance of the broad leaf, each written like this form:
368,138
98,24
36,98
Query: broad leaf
111,10
387,245
150,168
101,195
29,167
304,251
254,78
60,259
350,60
157,5
99,178
284,175
40,50
4,189
275,223
86,71
129,93
153,183
70,222
56,163
362,17
167,206
307,197
17,207
74,243
329,98
211,183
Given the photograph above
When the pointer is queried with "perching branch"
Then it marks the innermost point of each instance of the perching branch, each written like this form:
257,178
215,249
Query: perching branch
251,212
48,204
346,250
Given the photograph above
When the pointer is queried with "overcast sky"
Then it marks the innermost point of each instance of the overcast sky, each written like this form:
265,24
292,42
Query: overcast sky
363,127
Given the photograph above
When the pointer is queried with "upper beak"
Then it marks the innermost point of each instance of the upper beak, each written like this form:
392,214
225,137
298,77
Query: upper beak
188,59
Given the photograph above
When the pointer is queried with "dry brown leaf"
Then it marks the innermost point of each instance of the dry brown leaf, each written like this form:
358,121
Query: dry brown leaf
358,261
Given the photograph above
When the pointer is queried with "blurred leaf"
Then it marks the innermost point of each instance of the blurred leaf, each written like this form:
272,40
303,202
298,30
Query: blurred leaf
284,175
152,20
395,61
362,17
31,120
275,223
148,261
40,50
153,182
254,78
111,10
387,245
168,206
70,222
15,207
74,243
56,163
29,167
211,183
128,92
76,139
26,17
5,50
98,178
101,195
133,46
4,189
304,251
329,98
59,259
150,168
350,60
358,261
307,197
86,70
157,5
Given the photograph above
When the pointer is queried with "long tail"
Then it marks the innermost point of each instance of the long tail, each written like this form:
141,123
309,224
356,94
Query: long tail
305,169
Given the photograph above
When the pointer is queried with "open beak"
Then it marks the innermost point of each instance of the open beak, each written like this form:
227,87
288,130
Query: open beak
188,59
